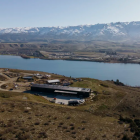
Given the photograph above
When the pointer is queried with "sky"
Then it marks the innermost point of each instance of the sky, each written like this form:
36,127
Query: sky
43,13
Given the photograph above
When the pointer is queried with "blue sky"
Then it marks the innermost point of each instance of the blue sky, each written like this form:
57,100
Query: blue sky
42,13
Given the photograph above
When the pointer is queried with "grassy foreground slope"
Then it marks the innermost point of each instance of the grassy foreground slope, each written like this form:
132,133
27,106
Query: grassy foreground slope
36,119
26,116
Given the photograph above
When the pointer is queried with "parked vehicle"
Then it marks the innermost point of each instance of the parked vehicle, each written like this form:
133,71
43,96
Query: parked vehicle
73,103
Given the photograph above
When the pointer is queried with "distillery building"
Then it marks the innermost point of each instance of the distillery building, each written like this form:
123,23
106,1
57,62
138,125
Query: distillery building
63,90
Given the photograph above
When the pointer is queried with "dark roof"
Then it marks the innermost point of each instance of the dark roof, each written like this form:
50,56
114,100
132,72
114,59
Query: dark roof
57,87
28,77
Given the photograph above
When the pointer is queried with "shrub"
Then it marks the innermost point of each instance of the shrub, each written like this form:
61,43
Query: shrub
11,120
1,133
87,138
83,128
104,85
125,137
2,110
55,118
3,138
23,137
134,138
9,124
26,111
71,124
137,132
42,135
128,120
74,137
68,117
73,132
37,123
121,118
61,123
64,127
72,128
83,121
46,123
137,121
32,129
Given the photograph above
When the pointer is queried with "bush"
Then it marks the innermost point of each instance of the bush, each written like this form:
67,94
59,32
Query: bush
125,137
46,123
26,111
37,123
64,127
42,135
22,137
2,110
87,138
68,117
9,124
71,124
137,132
121,118
61,123
55,118
83,121
134,138
83,128
72,128
137,121
104,85
73,132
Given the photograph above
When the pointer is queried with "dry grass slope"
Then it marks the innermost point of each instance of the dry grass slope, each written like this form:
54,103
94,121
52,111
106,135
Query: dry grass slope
26,116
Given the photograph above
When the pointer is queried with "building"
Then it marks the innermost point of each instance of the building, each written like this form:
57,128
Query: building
61,90
56,81
29,78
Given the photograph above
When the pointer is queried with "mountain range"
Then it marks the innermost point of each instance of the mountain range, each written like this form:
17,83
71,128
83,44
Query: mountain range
118,31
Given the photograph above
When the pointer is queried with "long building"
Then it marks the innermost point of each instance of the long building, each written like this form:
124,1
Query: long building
75,91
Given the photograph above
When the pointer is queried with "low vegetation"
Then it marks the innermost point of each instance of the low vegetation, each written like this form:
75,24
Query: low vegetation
111,112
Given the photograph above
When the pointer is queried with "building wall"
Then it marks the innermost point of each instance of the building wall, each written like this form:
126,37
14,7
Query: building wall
86,94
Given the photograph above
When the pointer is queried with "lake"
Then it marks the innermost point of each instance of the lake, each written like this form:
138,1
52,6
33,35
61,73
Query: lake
127,73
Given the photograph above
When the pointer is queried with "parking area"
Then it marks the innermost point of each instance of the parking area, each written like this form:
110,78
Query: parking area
59,99
66,100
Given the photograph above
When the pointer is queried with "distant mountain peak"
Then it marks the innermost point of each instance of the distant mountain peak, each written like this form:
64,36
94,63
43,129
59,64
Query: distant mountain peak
111,31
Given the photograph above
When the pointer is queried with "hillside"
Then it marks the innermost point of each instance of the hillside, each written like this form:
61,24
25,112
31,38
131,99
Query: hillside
26,116
119,31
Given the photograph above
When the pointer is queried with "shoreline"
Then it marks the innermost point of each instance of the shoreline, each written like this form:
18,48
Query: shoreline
100,61
62,76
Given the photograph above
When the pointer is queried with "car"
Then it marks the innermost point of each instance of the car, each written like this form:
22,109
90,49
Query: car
11,89
73,103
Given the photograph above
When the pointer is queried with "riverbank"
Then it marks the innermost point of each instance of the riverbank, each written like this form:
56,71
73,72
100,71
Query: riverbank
86,56
126,73
102,61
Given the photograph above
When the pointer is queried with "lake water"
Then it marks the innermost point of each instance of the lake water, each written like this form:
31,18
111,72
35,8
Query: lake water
126,73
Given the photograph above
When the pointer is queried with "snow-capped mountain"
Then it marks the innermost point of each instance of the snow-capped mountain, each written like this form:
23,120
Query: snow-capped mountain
113,31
